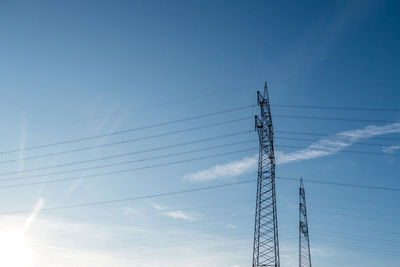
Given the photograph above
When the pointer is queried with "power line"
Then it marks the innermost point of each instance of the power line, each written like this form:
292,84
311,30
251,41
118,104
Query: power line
148,150
331,118
168,123
356,216
190,160
124,170
138,242
164,147
353,209
105,202
372,187
345,151
231,203
133,140
355,199
111,164
241,202
127,130
315,140
177,121
174,243
329,134
357,227
336,83
336,108
234,215
362,248
143,138
162,104
362,237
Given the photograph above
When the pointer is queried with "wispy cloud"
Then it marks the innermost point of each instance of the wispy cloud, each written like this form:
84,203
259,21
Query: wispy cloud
331,144
390,149
178,214
175,214
158,207
233,168
323,147
231,226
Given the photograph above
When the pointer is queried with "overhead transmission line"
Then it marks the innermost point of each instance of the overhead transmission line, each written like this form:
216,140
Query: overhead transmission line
148,150
148,196
354,199
162,165
335,108
364,237
343,150
223,219
162,104
362,248
138,242
357,227
200,189
313,181
130,130
330,134
218,219
182,120
124,217
216,92
125,170
179,241
176,243
182,131
335,83
112,164
138,139
131,161
353,209
315,140
356,216
330,118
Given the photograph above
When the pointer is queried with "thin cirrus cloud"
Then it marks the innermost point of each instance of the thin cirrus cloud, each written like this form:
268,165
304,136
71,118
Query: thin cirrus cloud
175,214
390,149
323,147
230,169
179,215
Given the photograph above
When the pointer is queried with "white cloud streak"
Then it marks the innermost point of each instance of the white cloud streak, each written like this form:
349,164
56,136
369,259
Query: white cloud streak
323,147
158,207
179,215
332,144
390,149
233,168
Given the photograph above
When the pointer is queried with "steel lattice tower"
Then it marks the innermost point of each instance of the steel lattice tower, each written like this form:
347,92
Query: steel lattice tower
304,241
266,245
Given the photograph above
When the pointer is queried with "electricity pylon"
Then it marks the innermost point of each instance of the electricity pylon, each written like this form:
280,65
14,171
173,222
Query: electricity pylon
304,241
266,245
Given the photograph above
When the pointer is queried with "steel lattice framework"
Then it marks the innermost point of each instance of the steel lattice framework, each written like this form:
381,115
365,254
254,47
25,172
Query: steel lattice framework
304,241
266,245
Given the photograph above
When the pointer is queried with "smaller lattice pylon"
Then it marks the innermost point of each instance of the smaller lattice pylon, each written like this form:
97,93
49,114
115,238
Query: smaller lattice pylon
304,238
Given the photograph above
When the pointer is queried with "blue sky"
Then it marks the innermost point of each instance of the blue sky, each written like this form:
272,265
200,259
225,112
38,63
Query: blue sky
76,69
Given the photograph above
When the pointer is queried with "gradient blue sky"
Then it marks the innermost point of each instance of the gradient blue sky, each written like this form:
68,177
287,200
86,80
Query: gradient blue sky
71,69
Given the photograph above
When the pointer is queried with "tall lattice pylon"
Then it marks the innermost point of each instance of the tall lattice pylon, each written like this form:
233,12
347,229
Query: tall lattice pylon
304,239
266,245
